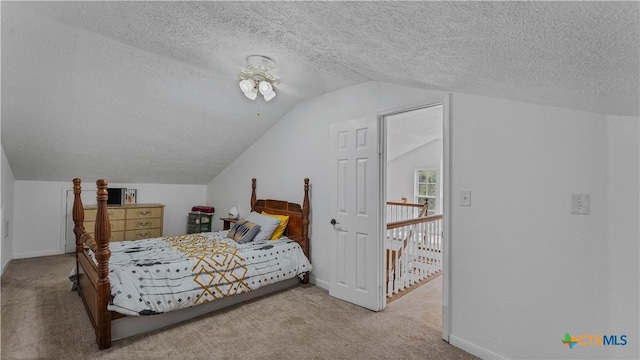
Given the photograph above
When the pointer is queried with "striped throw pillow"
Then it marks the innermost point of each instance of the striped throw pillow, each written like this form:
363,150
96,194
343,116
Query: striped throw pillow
243,231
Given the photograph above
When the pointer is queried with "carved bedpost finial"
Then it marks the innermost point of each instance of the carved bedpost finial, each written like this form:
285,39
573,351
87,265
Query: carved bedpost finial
253,194
77,214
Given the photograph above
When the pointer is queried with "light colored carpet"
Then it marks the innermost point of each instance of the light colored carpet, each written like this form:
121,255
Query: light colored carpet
42,319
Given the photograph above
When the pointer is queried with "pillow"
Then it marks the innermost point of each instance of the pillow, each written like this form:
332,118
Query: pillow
284,220
243,231
267,225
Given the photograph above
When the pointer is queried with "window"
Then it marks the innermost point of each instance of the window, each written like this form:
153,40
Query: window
426,188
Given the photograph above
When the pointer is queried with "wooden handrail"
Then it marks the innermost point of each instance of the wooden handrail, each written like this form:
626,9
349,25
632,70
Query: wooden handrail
404,204
401,223
403,201
423,211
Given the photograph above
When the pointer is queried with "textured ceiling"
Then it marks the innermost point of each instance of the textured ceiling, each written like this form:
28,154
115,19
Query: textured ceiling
153,85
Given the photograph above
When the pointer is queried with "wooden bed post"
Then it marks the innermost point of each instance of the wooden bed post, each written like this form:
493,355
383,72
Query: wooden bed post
102,236
253,194
78,214
305,225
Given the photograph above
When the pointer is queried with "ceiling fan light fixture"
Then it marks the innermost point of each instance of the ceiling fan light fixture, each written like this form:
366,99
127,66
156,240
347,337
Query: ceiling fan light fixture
265,87
270,95
255,77
252,94
248,88
246,85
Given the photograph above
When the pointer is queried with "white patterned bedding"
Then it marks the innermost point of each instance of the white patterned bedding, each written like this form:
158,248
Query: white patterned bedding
157,275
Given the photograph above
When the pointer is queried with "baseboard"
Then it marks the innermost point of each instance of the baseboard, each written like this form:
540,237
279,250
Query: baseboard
474,349
320,283
31,254
4,268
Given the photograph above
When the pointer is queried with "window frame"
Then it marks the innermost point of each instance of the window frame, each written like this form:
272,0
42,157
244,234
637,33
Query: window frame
416,189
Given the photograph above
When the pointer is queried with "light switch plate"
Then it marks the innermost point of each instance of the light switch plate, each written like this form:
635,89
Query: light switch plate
580,204
465,197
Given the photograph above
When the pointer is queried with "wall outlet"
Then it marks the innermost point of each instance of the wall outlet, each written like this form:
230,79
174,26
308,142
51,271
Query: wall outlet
580,204
465,197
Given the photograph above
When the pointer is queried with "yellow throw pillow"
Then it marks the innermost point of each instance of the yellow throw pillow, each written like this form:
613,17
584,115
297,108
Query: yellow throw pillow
277,233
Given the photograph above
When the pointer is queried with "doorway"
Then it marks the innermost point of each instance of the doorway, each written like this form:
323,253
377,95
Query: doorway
414,184
359,175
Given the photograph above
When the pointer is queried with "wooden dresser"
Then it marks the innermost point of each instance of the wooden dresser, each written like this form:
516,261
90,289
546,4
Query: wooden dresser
129,222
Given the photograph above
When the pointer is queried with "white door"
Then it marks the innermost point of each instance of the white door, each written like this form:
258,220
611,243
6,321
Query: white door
356,267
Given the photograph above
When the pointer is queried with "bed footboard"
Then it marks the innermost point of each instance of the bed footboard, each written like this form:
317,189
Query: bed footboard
93,281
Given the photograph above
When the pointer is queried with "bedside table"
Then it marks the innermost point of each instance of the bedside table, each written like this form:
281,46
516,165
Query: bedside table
226,223
199,222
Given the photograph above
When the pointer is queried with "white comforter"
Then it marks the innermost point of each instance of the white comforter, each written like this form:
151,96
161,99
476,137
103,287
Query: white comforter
162,274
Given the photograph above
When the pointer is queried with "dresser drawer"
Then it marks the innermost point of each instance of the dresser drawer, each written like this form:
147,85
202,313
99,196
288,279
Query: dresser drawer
143,234
115,235
129,222
141,213
114,214
116,225
144,223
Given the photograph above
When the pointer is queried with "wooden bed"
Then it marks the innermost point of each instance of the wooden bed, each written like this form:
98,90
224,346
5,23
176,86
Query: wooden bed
93,280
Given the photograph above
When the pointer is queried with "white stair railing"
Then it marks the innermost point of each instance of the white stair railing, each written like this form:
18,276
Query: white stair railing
401,210
413,251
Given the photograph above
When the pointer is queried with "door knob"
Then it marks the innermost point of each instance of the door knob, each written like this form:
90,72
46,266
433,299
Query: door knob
333,222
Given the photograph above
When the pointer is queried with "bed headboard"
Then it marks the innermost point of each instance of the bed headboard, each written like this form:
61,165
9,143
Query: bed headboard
298,226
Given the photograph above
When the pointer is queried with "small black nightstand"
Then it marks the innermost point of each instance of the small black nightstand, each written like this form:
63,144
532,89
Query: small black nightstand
199,222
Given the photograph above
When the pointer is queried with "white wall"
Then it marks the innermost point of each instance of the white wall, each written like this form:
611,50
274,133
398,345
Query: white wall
40,211
524,270
296,147
400,171
7,200
623,224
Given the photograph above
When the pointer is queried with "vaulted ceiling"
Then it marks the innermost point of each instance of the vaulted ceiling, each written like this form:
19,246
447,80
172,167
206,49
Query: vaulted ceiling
150,89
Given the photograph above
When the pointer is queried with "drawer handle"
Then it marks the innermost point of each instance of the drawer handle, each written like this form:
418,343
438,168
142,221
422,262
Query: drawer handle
144,213
146,223
109,213
142,235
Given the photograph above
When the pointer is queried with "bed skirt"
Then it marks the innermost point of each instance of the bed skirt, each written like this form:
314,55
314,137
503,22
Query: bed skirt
134,325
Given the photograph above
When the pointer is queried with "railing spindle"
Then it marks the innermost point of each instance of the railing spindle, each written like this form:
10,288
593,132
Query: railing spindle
413,250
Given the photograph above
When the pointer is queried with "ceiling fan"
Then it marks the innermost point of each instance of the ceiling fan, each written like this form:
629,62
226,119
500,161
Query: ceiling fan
257,77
